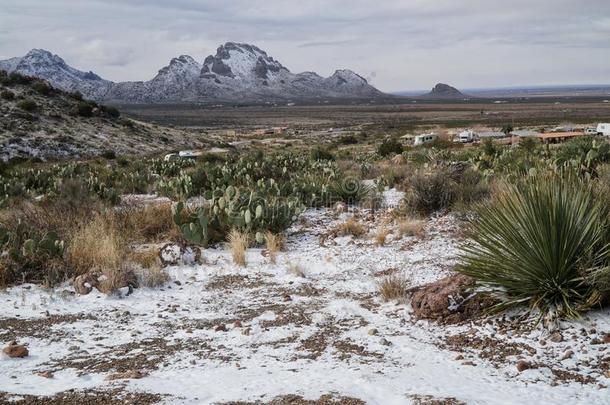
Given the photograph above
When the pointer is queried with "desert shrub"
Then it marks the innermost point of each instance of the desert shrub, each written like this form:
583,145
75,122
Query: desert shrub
151,223
350,190
541,243
17,78
389,147
274,243
42,87
471,187
110,111
27,105
109,154
381,235
83,109
319,153
348,140
430,190
7,95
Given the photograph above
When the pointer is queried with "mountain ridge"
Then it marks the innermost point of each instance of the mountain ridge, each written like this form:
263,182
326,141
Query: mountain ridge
238,72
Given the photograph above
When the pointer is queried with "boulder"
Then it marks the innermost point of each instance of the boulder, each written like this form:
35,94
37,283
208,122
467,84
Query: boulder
15,350
449,300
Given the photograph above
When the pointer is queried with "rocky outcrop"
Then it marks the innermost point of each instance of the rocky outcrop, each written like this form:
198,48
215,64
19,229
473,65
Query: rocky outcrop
444,91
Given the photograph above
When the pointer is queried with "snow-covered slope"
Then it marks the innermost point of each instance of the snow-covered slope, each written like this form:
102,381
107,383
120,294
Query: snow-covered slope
236,73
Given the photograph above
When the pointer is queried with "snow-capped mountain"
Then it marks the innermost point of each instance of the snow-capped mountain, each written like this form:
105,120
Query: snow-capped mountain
44,64
236,73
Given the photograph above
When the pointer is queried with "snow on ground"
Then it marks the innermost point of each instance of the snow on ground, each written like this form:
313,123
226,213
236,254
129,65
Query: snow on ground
219,333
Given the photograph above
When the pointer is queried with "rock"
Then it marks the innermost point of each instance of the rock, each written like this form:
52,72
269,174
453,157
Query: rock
447,300
132,374
237,324
595,341
606,338
84,283
15,350
523,365
567,355
373,332
45,374
385,342
246,332
220,328
459,357
287,297
340,207
556,337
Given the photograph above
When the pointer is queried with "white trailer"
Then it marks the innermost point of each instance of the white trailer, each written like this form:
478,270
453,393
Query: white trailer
603,129
424,138
467,136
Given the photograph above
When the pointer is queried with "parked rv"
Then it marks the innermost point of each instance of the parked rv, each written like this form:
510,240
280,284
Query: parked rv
424,138
591,131
603,129
467,136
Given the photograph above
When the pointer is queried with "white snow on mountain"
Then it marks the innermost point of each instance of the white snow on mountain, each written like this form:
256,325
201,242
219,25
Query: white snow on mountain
236,73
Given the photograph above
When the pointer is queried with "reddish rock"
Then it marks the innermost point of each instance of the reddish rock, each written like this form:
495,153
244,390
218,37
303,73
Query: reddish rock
237,324
127,375
15,350
446,300
523,365
220,328
606,338
556,337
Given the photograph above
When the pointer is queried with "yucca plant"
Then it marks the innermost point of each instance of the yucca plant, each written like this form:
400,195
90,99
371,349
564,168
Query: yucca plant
541,242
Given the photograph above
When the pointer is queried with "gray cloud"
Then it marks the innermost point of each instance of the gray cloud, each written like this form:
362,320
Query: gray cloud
401,44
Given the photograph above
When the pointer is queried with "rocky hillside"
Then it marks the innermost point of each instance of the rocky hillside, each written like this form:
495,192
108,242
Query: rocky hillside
236,73
444,91
37,120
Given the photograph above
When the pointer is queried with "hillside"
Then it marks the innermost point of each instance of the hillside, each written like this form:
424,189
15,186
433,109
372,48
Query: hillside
237,73
37,120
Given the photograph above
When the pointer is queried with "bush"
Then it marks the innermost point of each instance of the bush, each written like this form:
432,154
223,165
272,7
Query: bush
541,242
84,109
348,140
430,191
7,95
389,147
319,153
42,87
109,154
112,112
27,105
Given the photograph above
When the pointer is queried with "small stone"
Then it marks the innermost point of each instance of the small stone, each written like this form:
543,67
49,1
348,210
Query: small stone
567,355
468,363
15,350
246,332
287,297
595,341
523,365
373,331
127,375
177,282
189,330
556,337
237,324
606,338
45,374
220,328
459,357
385,342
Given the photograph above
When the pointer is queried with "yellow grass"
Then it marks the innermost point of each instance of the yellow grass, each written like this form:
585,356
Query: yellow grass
381,236
352,227
412,227
275,243
238,243
393,287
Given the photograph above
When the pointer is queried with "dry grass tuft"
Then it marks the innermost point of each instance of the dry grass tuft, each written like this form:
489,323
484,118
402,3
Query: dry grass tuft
238,243
96,245
393,287
412,227
151,223
152,273
275,243
352,227
381,236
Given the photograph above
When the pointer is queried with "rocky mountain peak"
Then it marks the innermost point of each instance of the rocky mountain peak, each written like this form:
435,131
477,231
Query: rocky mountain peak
442,90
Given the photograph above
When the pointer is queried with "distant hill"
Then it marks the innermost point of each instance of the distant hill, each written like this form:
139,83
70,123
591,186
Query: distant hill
236,73
444,91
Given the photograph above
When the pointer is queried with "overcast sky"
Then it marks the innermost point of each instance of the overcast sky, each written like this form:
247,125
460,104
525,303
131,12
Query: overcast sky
396,44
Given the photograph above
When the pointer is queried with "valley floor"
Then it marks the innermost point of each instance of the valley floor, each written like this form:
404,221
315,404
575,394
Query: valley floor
311,325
